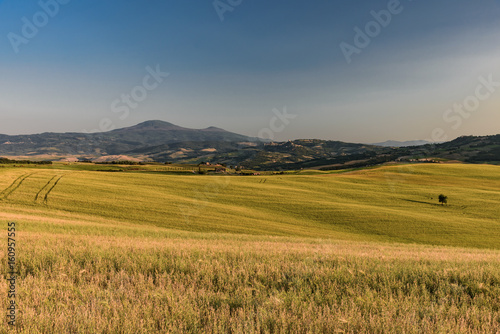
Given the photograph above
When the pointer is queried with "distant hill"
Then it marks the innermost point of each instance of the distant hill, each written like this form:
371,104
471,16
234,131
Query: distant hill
166,142
394,143
320,154
114,142
159,132
472,149
257,155
328,155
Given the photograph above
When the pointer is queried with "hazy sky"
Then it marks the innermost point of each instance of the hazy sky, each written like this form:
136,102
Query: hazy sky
359,71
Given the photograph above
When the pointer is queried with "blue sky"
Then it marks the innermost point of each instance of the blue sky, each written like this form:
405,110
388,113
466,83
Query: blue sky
263,55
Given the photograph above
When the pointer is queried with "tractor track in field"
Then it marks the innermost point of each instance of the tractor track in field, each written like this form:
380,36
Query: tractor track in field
43,195
14,186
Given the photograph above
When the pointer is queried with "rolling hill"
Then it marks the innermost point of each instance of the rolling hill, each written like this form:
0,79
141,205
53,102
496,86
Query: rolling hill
393,203
165,142
395,143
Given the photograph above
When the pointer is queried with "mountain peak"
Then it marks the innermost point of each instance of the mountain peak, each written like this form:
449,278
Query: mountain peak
213,128
157,125
154,123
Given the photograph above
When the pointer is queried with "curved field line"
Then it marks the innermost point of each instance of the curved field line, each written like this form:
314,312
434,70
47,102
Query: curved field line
44,188
52,188
13,187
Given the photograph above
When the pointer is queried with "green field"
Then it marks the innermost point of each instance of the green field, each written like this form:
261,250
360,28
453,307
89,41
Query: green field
152,250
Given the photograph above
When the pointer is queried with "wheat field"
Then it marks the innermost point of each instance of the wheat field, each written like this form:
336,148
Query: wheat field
368,251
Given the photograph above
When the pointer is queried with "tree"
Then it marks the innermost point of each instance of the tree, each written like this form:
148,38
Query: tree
443,199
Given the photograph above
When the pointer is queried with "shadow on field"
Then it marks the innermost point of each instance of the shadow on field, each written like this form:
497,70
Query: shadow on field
421,202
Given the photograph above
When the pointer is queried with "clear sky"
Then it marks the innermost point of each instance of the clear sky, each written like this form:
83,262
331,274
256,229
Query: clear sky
358,71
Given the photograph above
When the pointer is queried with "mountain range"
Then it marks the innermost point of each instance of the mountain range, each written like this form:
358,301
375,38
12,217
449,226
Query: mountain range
166,142
114,142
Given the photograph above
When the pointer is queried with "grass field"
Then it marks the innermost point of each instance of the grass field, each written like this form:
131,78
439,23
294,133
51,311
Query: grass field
149,251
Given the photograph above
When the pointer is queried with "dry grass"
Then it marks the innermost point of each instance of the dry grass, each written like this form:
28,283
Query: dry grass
84,284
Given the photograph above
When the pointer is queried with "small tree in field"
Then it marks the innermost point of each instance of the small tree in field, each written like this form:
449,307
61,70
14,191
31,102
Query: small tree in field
443,199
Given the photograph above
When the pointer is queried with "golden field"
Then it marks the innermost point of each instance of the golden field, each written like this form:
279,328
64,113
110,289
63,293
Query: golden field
368,251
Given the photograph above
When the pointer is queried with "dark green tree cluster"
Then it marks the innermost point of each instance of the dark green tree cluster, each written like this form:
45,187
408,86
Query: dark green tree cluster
24,162
443,199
